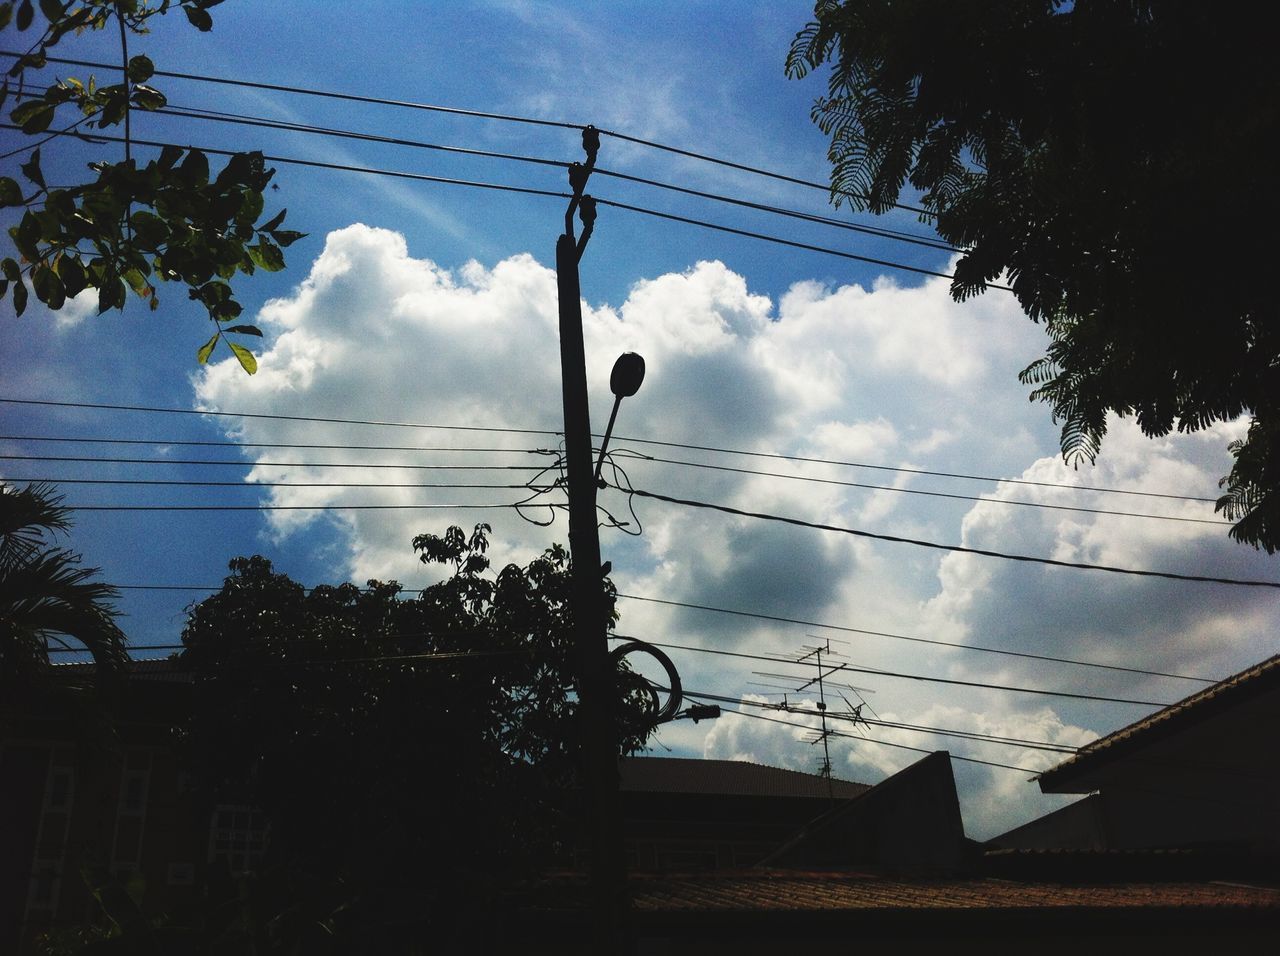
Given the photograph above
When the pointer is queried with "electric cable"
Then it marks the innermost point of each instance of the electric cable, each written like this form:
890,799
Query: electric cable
977,685
915,640
961,549
976,736
185,443
154,409
477,114
263,464
883,743
930,494
632,440
264,484
525,190
290,126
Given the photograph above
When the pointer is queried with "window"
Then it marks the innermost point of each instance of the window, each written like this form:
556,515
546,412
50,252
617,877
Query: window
238,835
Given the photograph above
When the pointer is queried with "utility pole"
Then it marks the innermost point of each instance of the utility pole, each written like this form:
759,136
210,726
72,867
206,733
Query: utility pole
599,754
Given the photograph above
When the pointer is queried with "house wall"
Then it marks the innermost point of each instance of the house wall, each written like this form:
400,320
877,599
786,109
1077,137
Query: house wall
1215,782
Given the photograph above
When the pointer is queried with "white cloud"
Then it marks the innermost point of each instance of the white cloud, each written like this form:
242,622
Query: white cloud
889,376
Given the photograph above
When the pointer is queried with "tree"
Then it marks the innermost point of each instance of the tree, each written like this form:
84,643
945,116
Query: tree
170,220
412,755
1108,159
45,594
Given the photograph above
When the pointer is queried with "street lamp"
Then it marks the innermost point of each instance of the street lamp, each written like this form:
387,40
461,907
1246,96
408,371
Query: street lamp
624,381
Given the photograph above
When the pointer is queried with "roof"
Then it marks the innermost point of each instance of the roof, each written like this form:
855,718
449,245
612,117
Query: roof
760,892
167,669
1222,696
727,778
789,891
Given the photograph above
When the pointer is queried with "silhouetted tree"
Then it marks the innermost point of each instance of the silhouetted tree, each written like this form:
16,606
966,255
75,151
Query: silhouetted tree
1109,159
412,755
46,595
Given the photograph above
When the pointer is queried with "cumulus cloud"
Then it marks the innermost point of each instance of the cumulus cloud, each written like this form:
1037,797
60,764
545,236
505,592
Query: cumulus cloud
860,391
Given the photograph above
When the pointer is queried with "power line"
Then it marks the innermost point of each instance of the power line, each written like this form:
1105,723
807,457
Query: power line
325,94
267,484
229,508
898,470
672,217
1053,562
542,451
266,464
889,724
502,187
619,439
923,492
479,114
208,115
977,685
177,443
787,620
281,418
915,640
883,743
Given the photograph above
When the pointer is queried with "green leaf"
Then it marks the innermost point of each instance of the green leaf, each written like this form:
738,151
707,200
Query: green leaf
24,111
226,311
195,168
19,297
52,10
202,356
267,256
10,269
26,13
137,282
200,19
149,229
31,169
168,156
4,89
246,330
287,237
48,287
72,274
10,192
275,221
6,14
140,69
148,98
247,361
251,206
111,294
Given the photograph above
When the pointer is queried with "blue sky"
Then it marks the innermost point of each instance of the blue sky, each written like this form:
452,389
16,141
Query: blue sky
420,303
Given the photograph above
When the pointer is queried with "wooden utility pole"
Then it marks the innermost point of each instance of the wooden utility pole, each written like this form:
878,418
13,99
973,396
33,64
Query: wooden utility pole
599,754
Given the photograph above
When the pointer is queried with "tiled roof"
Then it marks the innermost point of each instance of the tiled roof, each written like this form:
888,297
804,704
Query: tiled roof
727,777
789,891
1214,699
156,668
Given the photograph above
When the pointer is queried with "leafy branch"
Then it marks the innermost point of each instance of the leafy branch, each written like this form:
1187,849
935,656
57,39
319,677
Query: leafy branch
170,220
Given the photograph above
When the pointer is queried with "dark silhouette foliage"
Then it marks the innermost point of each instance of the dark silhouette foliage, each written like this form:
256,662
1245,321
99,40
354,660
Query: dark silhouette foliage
1109,160
413,755
46,595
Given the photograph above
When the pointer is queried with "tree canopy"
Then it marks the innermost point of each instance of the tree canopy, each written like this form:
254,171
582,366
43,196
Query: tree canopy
170,219
412,754
1107,160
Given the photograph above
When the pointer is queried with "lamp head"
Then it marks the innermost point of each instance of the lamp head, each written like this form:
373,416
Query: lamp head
627,375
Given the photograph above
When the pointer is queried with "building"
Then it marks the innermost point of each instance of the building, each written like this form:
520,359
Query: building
1202,774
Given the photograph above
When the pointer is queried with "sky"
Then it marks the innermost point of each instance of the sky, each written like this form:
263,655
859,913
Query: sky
816,387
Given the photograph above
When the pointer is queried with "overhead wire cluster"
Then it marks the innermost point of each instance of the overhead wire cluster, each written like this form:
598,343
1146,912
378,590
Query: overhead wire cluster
534,486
